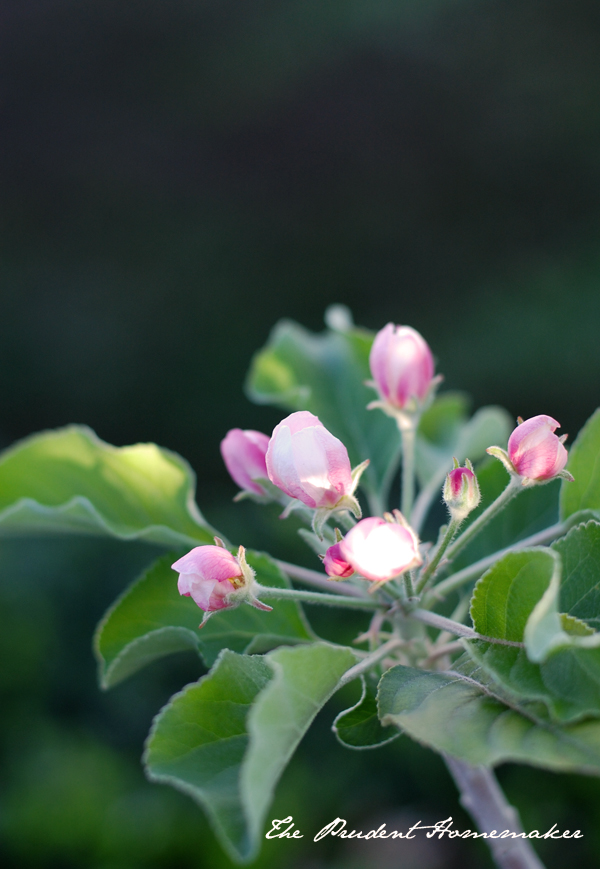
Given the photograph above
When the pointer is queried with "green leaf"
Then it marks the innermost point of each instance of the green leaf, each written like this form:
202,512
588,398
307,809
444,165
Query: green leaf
359,726
70,481
151,619
461,714
519,599
226,739
584,465
506,595
580,588
325,373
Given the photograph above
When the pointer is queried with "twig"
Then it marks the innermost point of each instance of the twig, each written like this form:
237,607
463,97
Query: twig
482,797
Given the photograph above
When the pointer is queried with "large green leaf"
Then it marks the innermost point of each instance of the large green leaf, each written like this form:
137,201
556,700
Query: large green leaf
226,739
521,599
70,481
584,464
325,374
359,726
151,619
462,714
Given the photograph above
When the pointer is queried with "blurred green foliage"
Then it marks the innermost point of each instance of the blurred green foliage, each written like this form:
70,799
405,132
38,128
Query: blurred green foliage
175,178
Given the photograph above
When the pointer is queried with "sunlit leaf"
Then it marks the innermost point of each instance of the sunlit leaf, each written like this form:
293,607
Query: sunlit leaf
69,480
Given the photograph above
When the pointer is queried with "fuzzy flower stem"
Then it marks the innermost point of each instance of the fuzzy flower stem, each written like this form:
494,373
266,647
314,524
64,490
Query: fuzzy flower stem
408,585
317,597
408,430
318,580
431,568
473,571
495,507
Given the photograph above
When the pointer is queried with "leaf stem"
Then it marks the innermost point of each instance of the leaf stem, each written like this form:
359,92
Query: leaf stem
435,620
494,508
370,661
317,597
482,797
431,568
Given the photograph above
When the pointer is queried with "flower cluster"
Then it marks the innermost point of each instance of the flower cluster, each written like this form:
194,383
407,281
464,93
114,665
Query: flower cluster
308,465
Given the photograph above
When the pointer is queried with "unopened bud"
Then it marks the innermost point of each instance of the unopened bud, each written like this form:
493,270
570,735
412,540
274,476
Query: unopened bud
461,491
335,564
216,579
402,367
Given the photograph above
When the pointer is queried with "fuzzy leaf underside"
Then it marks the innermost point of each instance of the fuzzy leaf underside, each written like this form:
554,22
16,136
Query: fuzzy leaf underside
226,739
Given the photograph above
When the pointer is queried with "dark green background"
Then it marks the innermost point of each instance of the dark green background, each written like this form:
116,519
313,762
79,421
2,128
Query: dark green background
176,176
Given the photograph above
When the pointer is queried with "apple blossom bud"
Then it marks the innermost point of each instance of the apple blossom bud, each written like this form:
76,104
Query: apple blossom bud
244,456
307,462
335,564
461,491
216,579
535,451
402,366
380,550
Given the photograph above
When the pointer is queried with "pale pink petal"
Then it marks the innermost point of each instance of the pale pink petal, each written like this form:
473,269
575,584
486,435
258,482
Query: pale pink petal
244,456
401,364
211,594
281,465
307,462
535,450
209,561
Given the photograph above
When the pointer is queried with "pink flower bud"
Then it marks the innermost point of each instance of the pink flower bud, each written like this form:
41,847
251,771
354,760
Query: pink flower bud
244,456
380,550
335,564
307,462
209,575
461,491
535,451
402,365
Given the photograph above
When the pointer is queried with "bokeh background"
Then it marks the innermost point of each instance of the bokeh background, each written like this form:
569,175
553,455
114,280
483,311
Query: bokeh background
176,175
